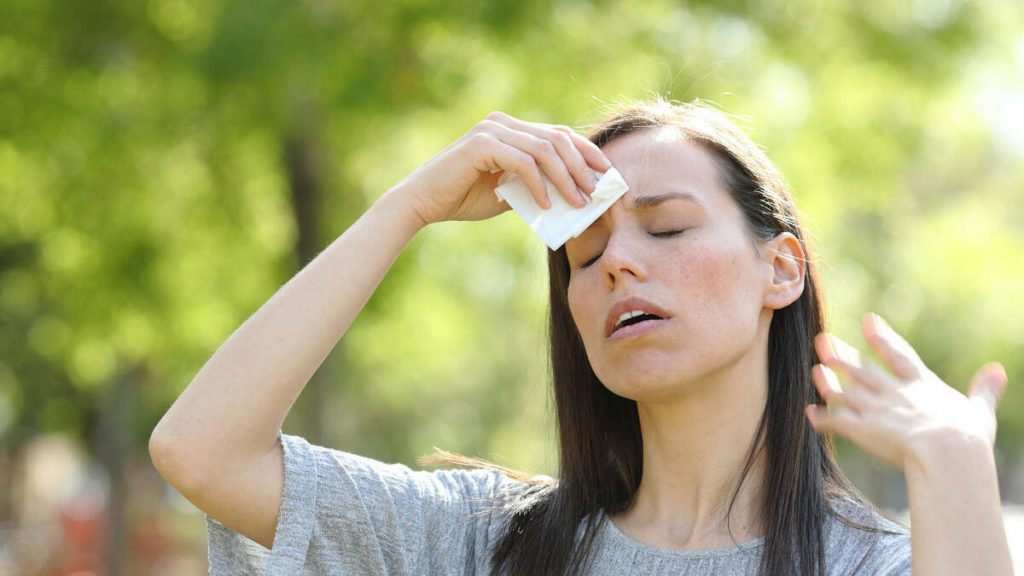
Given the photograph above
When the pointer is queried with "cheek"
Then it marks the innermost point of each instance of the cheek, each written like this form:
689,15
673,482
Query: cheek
723,274
725,279
583,308
576,307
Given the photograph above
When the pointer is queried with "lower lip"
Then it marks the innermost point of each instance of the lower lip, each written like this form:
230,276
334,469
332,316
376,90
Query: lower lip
638,329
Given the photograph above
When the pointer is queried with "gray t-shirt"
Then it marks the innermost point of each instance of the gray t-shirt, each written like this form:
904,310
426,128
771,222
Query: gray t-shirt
345,514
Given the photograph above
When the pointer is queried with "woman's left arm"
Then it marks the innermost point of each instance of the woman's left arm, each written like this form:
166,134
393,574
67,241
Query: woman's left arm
941,440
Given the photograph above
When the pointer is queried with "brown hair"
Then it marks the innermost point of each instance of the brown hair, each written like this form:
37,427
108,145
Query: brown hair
552,525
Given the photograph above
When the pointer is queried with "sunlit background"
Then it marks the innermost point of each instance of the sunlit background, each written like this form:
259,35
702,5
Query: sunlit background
166,165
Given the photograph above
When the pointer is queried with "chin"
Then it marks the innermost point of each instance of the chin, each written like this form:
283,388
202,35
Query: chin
660,375
642,385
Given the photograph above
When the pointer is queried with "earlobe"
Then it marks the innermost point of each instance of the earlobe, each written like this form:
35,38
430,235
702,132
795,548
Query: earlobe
788,266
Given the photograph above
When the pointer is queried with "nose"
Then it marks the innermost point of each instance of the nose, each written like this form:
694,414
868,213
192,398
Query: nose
623,259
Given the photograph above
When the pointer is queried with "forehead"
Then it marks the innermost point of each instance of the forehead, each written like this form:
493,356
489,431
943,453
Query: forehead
663,160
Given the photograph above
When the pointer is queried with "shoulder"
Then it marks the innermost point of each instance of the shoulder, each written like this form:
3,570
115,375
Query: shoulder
859,539
335,473
342,509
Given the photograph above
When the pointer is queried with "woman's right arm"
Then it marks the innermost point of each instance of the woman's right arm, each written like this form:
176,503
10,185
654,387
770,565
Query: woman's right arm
217,444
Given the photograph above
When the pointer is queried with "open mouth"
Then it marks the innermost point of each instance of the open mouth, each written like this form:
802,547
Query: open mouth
634,317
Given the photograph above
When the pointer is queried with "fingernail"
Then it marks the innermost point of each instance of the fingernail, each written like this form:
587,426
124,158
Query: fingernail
837,347
830,349
995,373
880,322
815,413
809,411
831,378
848,354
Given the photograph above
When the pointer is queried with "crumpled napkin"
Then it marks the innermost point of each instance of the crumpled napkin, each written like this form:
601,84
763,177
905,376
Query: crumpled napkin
562,221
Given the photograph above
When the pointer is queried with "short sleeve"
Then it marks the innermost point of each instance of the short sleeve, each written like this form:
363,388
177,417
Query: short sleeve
346,514
893,557
865,542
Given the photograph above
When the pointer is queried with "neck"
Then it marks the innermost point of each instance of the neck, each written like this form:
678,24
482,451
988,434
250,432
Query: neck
694,450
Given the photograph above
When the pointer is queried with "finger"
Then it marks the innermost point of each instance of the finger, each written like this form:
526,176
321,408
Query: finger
562,139
546,156
897,353
988,385
579,154
573,158
846,360
840,419
826,382
858,398
591,153
498,155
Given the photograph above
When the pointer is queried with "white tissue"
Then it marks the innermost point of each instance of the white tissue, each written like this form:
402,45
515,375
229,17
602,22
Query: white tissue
562,221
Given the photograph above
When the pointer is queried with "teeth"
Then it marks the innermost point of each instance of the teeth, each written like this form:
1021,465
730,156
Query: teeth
628,315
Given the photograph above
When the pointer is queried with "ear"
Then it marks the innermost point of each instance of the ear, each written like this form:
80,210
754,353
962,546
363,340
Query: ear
787,260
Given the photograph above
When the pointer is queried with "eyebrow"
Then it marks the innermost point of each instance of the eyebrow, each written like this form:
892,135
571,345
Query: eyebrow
650,201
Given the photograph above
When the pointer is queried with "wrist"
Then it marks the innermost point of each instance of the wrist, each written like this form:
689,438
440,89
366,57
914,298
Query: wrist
955,508
935,450
400,207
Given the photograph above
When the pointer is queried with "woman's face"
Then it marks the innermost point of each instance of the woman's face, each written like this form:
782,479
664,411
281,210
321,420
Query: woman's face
675,246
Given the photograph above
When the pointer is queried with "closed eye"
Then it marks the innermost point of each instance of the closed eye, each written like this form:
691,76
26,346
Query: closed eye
667,233
589,262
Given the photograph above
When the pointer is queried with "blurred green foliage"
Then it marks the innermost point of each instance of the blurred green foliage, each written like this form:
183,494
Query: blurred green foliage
146,207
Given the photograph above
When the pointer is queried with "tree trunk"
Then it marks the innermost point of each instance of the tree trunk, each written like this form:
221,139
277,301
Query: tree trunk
305,181
115,448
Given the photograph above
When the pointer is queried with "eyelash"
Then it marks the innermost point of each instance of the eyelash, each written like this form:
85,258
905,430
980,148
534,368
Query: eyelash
665,234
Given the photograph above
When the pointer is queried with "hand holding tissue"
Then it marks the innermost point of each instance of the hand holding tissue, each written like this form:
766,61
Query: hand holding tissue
562,221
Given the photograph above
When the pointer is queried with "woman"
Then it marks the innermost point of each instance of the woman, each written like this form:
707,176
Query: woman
690,372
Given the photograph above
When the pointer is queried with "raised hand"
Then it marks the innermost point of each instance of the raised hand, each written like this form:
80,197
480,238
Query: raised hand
458,183
891,414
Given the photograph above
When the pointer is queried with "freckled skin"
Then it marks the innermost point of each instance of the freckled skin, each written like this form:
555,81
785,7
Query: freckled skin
711,279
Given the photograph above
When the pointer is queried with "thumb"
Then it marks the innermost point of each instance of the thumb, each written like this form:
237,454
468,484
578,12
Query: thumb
988,385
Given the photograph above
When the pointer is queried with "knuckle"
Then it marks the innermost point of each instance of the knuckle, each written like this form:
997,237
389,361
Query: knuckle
480,139
526,162
485,126
547,148
496,116
563,139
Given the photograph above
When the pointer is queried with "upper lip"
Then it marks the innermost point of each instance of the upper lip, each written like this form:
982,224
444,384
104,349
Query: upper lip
628,305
